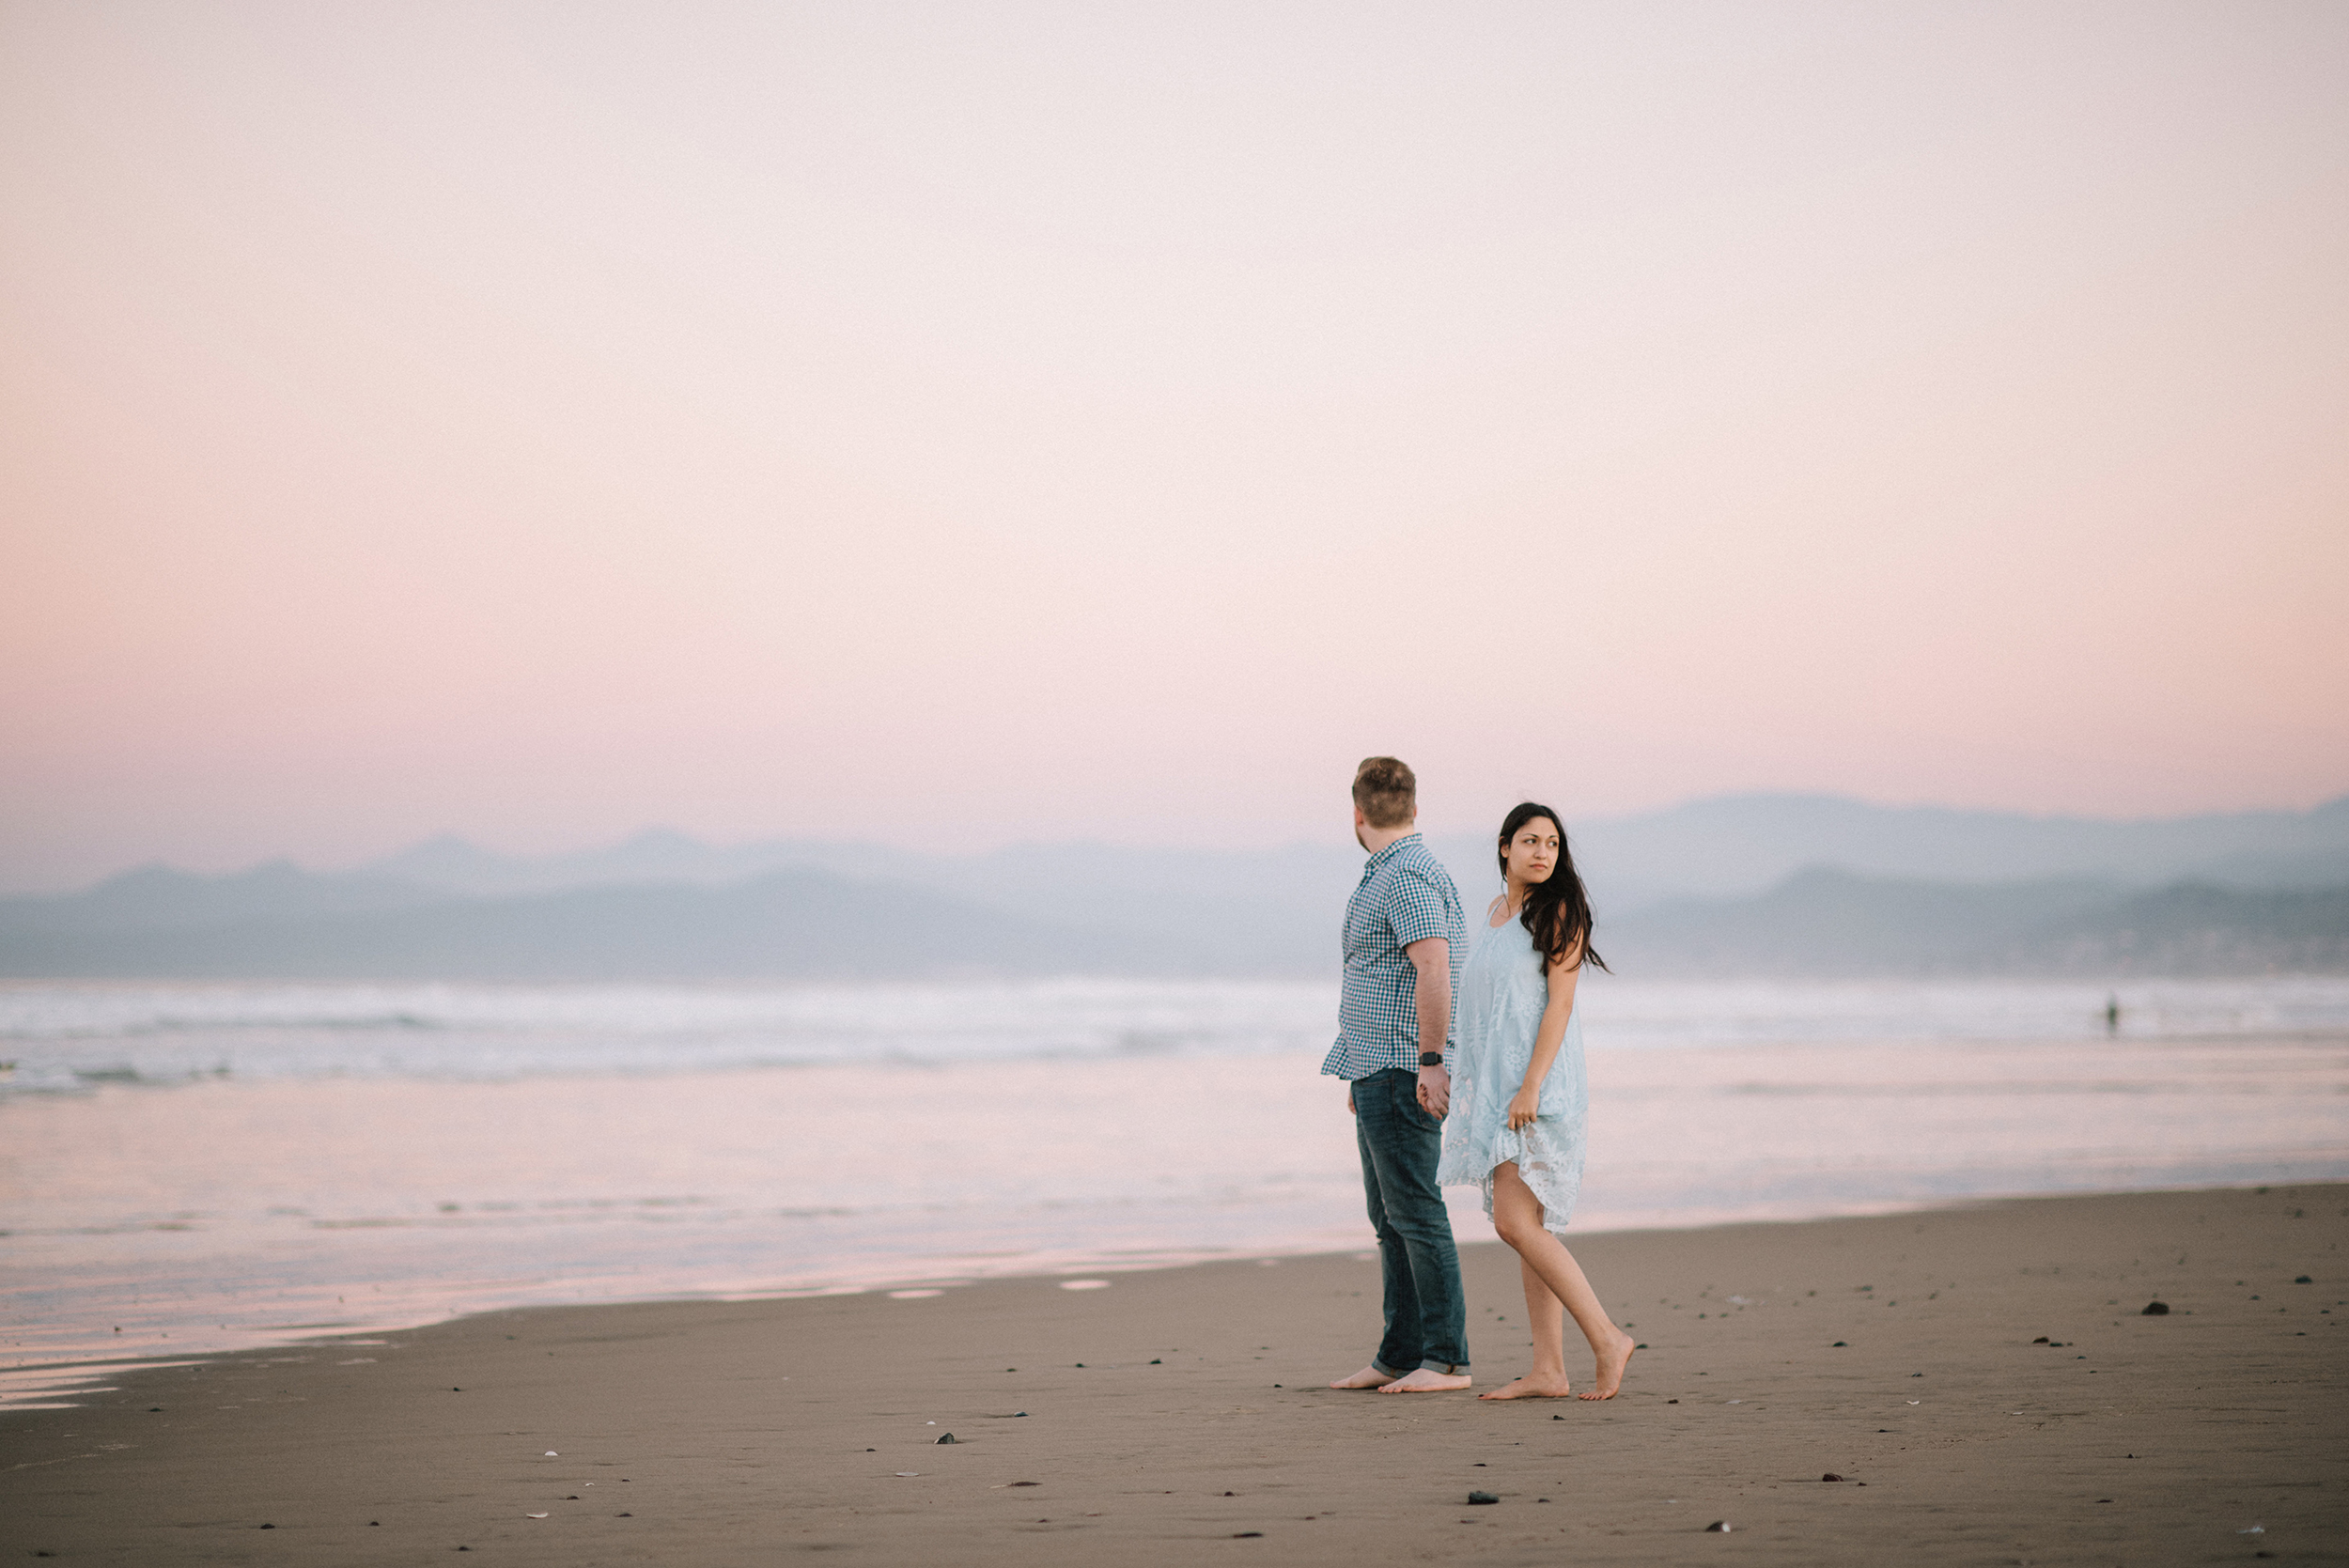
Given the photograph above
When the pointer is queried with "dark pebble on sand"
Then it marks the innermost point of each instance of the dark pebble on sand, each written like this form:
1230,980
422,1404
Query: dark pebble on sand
2304,1279
946,1437
1718,1527
1248,1535
1839,1344
1557,1417
374,1524
1831,1476
1480,1498
2155,1308
269,1526
624,1516
1040,1484
1154,1361
1561,1418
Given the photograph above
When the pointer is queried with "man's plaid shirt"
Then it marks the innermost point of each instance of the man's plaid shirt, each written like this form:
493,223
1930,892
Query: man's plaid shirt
1406,896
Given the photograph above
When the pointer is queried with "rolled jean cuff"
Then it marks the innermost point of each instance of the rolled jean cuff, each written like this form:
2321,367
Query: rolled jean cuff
1448,1369
1382,1369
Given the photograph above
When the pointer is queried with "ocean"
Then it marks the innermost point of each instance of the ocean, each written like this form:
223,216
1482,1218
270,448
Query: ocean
187,1169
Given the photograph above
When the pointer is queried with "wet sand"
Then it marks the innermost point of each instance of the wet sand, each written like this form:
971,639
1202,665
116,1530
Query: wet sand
1179,1416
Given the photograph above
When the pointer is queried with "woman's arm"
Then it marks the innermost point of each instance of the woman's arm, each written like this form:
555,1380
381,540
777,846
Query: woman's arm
1526,1103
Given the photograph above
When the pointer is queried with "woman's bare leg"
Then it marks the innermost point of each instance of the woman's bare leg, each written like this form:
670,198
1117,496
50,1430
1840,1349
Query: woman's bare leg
1555,1289
1548,1380
1548,1314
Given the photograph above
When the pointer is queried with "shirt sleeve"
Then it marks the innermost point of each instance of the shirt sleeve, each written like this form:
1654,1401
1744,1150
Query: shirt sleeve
1416,909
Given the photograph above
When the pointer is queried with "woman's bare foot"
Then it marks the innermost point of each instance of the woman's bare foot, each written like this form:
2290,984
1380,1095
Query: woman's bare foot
1534,1386
1611,1365
1426,1382
1369,1377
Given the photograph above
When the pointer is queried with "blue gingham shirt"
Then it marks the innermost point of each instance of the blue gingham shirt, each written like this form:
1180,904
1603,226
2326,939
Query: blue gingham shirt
1406,896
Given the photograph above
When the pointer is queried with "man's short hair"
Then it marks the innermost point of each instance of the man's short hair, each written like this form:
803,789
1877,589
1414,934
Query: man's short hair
1385,792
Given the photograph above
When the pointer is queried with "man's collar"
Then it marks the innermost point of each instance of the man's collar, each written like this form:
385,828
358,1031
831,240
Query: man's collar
1388,853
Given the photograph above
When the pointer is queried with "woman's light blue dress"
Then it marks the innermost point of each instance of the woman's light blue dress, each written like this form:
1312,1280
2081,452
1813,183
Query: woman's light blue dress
1503,996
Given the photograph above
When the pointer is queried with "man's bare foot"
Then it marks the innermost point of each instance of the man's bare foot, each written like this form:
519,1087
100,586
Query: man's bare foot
1545,1386
1369,1377
1611,1365
1426,1382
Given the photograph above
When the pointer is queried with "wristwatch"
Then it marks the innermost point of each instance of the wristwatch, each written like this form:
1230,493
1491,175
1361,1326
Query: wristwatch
1431,1059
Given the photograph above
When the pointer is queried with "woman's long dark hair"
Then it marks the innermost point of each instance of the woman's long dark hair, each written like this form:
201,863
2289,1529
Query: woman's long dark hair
1557,911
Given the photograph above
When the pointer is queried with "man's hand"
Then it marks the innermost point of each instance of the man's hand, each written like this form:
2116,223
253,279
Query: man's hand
1435,1091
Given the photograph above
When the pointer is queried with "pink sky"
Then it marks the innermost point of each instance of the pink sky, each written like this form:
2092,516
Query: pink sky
1000,421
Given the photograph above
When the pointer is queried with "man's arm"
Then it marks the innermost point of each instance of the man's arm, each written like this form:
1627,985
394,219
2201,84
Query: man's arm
1431,960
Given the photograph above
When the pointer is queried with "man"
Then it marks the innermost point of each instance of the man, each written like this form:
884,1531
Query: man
1403,948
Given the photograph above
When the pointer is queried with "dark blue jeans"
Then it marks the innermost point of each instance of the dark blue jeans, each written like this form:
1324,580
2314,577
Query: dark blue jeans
1426,1314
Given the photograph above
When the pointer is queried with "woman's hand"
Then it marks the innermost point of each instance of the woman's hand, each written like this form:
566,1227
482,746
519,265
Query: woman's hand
1524,1106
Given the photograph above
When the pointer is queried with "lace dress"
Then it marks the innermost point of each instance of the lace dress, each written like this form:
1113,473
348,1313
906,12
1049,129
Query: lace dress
1503,996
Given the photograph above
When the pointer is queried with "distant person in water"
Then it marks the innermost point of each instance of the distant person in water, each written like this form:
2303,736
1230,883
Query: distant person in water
1402,953
1519,1098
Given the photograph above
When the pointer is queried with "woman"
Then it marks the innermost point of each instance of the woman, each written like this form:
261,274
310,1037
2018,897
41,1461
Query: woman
1519,1097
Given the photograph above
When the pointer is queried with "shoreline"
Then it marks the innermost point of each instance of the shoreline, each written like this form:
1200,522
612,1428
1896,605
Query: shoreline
218,1217
1172,1412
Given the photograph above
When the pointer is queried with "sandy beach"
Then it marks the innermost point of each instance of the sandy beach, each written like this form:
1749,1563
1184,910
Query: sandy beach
1179,1415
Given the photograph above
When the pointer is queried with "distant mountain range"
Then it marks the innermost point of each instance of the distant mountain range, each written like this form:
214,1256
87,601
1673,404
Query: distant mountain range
1715,848
1743,844
1830,922
791,925
1741,885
